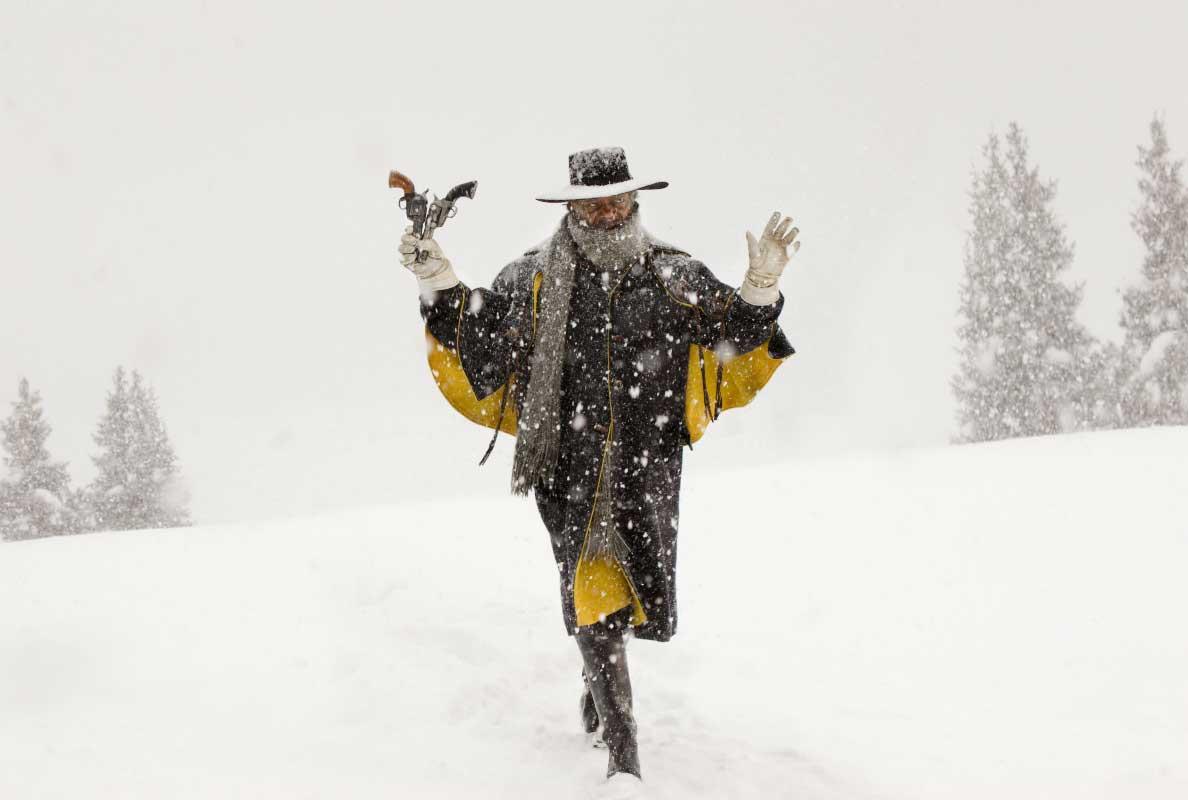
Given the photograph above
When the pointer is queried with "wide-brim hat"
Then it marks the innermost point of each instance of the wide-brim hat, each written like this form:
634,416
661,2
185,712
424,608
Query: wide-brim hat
600,172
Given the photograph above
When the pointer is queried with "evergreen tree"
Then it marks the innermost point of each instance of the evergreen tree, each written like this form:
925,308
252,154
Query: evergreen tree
1025,361
114,439
1106,373
1155,312
137,485
33,498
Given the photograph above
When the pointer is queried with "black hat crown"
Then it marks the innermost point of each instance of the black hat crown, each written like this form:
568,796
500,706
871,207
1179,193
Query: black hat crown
598,167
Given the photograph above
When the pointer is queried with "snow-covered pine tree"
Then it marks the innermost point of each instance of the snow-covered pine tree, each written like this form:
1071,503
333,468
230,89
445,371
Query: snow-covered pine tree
105,502
1024,358
1105,376
137,485
34,496
166,498
1155,312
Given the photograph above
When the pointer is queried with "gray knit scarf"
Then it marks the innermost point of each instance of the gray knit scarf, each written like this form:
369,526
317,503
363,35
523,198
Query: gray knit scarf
538,437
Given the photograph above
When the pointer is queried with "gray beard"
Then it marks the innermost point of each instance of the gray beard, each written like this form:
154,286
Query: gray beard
538,437
612,249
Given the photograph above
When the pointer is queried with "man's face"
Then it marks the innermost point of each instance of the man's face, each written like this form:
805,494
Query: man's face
604,212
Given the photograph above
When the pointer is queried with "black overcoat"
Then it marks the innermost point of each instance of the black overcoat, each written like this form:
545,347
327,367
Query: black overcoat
652,354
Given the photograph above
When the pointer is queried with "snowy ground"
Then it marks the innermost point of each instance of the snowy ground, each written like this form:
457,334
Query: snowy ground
979,622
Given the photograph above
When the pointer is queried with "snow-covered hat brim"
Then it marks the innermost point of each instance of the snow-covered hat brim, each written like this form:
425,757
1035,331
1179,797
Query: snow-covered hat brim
572,192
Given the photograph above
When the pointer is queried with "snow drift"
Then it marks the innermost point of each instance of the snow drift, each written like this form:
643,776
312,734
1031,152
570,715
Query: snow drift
978,622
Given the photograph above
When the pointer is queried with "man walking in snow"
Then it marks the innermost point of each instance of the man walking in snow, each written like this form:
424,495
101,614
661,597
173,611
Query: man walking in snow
604,352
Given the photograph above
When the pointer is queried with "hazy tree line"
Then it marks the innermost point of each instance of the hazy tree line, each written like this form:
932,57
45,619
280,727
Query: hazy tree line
136,483
1027,366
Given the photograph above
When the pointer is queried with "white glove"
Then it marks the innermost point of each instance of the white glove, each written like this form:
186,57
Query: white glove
434,272
768,257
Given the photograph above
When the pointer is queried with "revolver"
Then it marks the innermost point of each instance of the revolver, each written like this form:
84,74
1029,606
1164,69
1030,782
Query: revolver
427,215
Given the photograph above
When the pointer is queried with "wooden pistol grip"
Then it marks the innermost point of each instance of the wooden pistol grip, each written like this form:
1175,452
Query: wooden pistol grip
402,182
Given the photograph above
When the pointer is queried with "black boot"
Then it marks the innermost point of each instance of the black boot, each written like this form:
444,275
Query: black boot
589,710
604,650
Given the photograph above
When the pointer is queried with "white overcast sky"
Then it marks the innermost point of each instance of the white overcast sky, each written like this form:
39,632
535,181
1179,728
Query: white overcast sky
197,191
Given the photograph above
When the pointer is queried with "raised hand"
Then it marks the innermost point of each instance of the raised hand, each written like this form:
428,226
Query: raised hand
768,256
